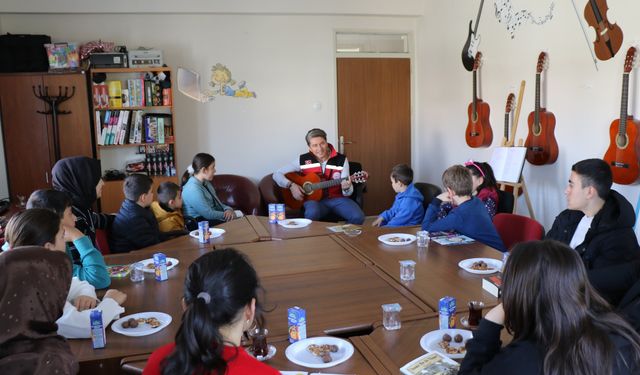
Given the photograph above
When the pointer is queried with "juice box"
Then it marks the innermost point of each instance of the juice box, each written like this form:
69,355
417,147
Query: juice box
273,214
447,310
280,212
203,232
98,337
297,324
160,262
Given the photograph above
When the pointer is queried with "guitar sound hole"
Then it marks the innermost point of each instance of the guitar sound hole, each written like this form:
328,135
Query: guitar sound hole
536,149
474,134
622,141
618,164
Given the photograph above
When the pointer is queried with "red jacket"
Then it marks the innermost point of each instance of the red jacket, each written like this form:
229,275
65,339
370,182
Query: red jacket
333,170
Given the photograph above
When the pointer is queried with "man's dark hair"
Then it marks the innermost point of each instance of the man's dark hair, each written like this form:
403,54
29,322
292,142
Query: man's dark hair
54,200
402,173
596,173
315,132
136,185
167,191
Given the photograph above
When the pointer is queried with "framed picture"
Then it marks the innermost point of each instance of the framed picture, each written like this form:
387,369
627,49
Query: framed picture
63,56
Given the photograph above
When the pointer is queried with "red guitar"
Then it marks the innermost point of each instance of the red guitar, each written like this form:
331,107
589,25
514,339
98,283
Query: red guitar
312,185
622,154
478,132
541,144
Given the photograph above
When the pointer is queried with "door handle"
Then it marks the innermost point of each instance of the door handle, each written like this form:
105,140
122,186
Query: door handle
342,143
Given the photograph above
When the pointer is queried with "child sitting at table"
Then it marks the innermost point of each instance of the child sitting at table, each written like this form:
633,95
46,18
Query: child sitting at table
91,266
407,208
135,226
468,217
167,209
31,282
485,188
219,303
42,227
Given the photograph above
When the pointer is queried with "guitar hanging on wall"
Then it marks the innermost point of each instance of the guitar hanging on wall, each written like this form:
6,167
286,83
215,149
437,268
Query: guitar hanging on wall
622,154
507,114
541,144
478,132
471,45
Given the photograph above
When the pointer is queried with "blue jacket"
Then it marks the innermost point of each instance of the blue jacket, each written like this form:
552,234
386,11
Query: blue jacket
199,199
407,209
470,218
135,227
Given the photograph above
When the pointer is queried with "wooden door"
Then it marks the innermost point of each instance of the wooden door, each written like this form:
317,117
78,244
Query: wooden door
25,133
374,117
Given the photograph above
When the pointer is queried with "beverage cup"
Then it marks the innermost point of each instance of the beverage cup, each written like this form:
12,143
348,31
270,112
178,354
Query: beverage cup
423,238
259,345
137,272
391,316
475,313
407,270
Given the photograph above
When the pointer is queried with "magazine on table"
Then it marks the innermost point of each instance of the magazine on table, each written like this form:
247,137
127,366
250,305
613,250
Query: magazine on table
450,238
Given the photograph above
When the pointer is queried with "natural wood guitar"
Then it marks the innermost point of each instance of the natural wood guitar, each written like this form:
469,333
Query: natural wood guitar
511,98
312,185
622,154
541,144
478,132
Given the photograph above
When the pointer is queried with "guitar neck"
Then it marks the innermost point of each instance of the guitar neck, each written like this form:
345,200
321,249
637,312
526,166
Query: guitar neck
622,129
327,184
506,126
537,110
475,96
475,29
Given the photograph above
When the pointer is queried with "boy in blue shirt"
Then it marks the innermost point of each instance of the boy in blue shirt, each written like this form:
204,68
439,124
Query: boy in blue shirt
135,226
469,215
91,267
407,208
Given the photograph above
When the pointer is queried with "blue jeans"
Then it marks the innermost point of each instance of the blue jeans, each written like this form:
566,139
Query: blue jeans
344,207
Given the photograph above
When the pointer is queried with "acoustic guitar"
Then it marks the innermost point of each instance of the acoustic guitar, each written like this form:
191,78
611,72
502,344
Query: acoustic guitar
507,114
478,132
622,154
541,144
312,185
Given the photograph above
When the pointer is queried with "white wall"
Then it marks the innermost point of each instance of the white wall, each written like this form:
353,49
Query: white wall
584,100
288,60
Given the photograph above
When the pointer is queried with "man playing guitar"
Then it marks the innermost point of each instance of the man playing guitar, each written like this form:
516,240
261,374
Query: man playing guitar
324,161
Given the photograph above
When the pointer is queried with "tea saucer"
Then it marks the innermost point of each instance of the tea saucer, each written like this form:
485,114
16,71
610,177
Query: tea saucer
272,352
465,323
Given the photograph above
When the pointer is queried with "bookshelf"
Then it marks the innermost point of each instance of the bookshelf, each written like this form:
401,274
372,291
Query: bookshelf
133,126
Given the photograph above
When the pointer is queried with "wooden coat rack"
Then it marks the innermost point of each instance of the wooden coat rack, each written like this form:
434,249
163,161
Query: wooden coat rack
54,101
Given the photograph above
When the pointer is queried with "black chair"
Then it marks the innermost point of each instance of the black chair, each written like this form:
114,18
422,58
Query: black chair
505,202
429,191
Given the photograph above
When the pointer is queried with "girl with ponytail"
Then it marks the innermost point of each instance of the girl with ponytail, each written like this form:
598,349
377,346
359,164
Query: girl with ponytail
219,302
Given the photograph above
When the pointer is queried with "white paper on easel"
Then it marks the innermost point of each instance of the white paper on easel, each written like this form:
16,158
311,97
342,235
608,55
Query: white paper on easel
507,163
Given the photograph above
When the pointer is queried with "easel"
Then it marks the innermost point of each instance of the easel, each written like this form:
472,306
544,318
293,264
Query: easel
516,186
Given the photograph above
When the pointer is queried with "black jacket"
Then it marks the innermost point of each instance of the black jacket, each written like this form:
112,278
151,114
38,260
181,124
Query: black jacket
135,227
485,355
620,285
609,241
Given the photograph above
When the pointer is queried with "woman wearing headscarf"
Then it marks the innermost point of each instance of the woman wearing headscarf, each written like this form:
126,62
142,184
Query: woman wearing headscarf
80,177
33,290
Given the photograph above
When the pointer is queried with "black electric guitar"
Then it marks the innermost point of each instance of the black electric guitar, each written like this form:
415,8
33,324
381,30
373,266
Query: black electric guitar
473,41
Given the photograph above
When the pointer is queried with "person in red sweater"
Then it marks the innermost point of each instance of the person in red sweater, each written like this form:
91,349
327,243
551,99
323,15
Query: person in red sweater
219,302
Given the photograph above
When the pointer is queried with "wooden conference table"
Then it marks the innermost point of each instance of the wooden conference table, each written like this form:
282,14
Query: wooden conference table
340,281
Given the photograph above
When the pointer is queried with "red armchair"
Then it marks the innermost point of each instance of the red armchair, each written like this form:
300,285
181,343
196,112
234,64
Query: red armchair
514,228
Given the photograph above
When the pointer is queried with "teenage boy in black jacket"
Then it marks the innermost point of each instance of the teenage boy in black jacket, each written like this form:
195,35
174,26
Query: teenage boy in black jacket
135,226
598,222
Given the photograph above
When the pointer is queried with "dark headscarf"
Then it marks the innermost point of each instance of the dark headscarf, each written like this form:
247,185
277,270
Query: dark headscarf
34,283
78,177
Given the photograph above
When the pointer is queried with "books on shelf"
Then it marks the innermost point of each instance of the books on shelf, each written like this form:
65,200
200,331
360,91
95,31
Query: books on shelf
493,284
130,93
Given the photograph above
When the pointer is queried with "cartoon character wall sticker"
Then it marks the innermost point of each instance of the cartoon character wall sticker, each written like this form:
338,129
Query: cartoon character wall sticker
224,85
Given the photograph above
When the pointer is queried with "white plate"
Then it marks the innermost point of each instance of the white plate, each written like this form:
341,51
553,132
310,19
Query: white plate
385,238
430,341
298,353
294,223
214,232
142,329
495,265
147,269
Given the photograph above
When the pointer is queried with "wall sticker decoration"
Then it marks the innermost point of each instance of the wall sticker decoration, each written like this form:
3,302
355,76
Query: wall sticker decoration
514,19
